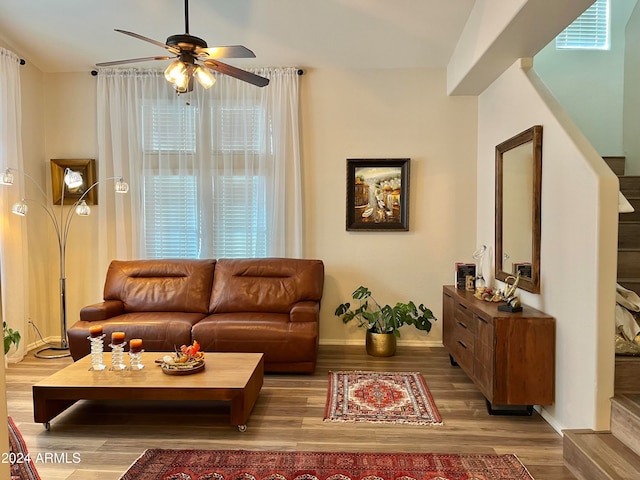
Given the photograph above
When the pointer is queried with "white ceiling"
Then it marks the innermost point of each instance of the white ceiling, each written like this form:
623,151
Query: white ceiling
72,35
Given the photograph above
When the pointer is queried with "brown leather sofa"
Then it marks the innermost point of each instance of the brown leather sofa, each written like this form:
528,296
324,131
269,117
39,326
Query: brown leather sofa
268,305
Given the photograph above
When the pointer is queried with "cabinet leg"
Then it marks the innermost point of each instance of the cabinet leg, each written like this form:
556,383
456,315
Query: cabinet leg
522,410
452,361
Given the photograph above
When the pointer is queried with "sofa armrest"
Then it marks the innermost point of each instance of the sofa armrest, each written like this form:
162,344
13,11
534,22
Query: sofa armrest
305,312
102,311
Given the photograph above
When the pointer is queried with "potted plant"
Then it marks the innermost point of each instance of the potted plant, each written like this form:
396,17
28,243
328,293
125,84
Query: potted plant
11,337
383,322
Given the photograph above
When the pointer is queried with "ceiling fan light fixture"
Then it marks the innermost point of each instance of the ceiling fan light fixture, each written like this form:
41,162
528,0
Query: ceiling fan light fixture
204,76
176,71
184,85
189,49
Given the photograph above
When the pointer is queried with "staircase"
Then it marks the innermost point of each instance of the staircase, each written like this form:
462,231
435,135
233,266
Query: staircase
628,228
612,455
615,454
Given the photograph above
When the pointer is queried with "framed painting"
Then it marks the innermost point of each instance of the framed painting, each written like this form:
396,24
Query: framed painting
86,169
378,194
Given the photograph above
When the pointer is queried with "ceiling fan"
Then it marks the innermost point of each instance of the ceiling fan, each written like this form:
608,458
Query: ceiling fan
193,58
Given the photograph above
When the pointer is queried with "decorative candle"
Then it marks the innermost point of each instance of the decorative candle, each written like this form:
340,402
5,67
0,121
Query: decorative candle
135,345
117,338
95,331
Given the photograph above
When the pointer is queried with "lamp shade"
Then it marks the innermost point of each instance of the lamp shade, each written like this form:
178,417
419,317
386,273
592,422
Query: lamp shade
175,72
7,177
82,209
122,186
72,179
20,208
204,76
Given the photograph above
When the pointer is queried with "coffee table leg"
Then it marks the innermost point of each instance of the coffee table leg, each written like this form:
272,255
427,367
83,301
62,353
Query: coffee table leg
45,409
243,402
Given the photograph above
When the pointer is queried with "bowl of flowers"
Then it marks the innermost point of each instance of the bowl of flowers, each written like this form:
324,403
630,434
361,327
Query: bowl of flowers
187,360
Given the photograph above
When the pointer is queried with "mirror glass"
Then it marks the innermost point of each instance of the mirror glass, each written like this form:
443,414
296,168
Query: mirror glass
518,181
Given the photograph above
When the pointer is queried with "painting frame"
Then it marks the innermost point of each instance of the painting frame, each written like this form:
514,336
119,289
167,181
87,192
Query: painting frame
377,194
86,168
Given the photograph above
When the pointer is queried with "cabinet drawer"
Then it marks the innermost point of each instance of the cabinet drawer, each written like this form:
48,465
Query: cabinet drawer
463,335
464,318
462,352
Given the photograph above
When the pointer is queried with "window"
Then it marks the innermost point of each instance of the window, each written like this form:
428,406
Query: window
204,203
239,129
171,227
590,31
169,128
239,217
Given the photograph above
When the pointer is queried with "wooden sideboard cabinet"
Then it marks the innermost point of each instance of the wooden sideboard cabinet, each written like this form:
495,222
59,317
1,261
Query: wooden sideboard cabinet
509,356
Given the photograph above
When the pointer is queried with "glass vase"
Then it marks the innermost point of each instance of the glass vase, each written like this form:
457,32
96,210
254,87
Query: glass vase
478,255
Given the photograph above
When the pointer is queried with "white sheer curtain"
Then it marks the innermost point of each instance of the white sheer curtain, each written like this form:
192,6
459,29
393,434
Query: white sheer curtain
13,232
214,173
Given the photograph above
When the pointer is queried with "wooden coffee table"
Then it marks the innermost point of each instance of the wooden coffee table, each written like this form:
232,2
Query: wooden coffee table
231,377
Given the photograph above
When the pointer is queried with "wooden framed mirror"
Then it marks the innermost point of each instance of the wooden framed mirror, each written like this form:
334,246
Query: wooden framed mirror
518,184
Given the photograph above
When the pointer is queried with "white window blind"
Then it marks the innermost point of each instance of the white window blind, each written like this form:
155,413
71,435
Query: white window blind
239,129
239,217
589,31
171,216
169,128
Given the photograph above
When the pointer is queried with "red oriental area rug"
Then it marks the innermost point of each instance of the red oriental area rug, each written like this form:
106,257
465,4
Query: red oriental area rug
389,397
158,464
22,465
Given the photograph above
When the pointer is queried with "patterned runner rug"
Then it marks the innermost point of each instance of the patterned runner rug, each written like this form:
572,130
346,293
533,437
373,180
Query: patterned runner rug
158,464
390,397
22,465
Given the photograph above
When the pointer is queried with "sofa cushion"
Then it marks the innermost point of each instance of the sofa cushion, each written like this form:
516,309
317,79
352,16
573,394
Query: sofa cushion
269,333
265,285
160,331
161,285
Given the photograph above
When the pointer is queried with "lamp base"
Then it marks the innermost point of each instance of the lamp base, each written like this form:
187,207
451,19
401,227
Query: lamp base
54,350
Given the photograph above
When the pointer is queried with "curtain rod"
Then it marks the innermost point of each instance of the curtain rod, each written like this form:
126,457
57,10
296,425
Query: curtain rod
95,72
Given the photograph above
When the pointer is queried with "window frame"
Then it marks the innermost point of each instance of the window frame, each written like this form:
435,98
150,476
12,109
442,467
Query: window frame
590,31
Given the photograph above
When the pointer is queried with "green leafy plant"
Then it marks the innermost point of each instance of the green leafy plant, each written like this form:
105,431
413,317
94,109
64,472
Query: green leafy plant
11,336
384,319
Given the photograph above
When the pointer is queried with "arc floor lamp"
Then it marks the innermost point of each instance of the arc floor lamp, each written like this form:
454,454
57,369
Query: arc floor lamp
62,223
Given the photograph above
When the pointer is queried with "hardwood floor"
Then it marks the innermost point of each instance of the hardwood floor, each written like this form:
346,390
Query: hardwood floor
104,439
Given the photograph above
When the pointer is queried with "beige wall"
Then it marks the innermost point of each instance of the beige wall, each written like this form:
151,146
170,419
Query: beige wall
383,114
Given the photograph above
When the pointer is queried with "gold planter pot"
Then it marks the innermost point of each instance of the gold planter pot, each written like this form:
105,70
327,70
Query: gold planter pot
381,344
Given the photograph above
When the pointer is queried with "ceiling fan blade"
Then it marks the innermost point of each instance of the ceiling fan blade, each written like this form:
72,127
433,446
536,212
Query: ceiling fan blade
150,40
131,60
230,51
234,72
